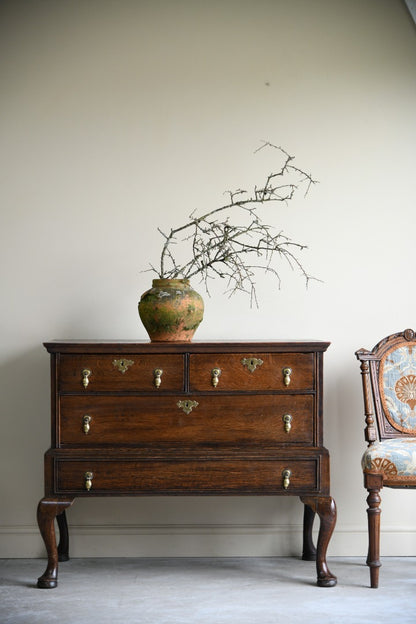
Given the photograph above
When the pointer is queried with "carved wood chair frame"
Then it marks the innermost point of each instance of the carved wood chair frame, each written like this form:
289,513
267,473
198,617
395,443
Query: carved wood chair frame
381,427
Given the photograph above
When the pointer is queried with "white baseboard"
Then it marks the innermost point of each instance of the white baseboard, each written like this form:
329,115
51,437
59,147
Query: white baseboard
197,540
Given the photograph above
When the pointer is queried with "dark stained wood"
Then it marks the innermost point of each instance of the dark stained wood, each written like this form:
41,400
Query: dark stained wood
325,507
176,476
373,483
63,546
309,550
105,376
232,438
266,376
136,420
48,509
370,432
132,346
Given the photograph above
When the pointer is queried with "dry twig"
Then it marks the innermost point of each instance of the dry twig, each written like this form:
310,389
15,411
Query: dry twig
235,252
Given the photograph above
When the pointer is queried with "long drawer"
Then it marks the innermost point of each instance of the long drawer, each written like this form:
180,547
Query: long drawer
245,372
135,420
114,373
213,476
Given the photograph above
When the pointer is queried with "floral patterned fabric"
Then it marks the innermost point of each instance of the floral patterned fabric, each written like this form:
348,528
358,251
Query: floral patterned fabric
398,388
396,457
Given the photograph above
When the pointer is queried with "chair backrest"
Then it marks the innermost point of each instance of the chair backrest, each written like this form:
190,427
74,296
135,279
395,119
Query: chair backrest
389,386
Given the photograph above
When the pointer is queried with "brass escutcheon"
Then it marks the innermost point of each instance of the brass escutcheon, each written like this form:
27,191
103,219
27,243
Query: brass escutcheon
88,480
157,375
187,406
286,375
286,474
86,422
215,374
287,420
122,365
85,377
251,363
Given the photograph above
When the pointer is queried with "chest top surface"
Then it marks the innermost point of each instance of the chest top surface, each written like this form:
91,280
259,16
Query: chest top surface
132,346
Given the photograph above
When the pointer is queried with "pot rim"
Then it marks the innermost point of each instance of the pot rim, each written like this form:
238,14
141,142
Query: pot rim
173,281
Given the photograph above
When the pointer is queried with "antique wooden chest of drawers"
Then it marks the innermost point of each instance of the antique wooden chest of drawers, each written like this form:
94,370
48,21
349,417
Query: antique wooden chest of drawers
131,419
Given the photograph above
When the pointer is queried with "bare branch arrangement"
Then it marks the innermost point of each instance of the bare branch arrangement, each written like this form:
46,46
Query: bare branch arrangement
235,252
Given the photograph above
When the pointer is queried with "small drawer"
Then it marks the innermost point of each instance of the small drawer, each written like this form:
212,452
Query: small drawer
256,371
113,373
182,476
95,421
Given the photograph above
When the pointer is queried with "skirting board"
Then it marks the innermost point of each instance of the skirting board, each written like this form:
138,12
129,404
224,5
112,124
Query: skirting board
201,541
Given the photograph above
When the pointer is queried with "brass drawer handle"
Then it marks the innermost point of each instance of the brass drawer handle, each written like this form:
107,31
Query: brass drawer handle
86,422
251,363
286,375
85,377
287,420
88,480
122,365
187,406
286,474
215,375
157,377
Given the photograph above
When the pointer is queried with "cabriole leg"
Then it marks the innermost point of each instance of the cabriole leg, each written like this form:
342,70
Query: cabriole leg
309,550
325,507
48,510
63,546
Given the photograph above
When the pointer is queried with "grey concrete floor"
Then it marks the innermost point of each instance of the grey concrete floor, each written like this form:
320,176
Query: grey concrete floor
206,591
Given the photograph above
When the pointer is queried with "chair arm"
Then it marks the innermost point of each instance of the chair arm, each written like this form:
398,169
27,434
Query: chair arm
365,357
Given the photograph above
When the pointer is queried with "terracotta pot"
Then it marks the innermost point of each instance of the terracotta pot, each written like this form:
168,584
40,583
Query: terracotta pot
171,310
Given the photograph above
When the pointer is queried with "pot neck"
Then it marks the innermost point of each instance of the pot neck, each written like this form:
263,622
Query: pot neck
163,283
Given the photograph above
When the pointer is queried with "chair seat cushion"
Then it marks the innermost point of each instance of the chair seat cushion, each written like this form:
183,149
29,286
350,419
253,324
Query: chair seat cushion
394,458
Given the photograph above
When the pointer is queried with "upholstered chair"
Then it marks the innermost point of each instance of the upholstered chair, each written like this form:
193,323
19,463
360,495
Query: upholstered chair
389,387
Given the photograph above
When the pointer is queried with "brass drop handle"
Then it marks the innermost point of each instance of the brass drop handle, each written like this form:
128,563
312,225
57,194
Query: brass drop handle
86,422
286,375
88,480
287,421
85,377
215,376
286,474
157,377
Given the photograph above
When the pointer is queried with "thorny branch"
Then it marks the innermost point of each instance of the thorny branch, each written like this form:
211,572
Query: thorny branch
236,252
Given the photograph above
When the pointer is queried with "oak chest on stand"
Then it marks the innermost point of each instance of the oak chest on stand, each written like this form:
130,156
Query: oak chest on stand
214,418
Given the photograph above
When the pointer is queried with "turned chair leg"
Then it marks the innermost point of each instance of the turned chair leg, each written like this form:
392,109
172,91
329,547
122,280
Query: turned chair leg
309,550
373,514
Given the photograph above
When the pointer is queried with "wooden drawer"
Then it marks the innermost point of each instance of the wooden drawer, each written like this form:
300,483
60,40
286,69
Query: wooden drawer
120,373
133,420
250,372
182,476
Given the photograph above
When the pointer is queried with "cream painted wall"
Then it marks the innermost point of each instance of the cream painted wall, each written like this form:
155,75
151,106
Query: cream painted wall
118,117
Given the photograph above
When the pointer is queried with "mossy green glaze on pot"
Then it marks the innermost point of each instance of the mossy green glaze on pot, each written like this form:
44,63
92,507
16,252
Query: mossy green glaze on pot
171,310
